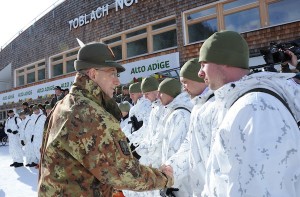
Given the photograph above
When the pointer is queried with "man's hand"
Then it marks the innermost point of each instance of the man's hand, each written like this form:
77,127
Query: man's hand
293,61
168,171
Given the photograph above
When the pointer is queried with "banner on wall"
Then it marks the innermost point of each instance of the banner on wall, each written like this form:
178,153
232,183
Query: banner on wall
147,67
34,92
142,68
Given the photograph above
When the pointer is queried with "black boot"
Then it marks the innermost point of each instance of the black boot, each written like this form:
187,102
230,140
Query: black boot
19,165
28,165
13,164
33,164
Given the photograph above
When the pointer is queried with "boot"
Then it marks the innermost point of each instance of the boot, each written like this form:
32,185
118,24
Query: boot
18,165
28,165
33,164
13,164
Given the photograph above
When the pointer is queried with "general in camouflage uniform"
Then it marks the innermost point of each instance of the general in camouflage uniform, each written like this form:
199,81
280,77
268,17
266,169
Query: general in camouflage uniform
84,152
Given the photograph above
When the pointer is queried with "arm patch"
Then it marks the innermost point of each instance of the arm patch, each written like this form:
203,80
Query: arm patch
124,147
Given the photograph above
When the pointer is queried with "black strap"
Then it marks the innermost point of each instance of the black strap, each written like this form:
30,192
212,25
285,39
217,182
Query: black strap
264,90
210,96
38,118
26,124
16,121
182,108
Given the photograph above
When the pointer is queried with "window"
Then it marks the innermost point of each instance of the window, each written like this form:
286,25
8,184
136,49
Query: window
152,37
3,116
63,63
283,11
31,73
238,15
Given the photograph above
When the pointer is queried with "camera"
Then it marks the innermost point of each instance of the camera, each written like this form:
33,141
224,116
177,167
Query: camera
276,52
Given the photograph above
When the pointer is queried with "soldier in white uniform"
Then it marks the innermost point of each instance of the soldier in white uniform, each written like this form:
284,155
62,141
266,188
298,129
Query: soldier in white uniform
15,147
124,108
173,124
184,177
255,146
26,134
37,135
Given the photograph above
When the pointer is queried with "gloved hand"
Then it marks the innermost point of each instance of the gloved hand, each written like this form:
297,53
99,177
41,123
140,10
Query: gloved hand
32,138
168,192
22,142
15,132
9,130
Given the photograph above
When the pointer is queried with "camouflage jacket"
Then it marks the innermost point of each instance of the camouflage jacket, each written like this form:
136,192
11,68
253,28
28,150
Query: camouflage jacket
85,153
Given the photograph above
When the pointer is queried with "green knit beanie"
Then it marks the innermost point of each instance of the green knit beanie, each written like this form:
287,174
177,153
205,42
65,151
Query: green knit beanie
135,88
170,86
149,84
190,70
124,107
226,48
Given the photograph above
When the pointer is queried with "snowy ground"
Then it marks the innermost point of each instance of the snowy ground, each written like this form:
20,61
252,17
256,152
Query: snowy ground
16,182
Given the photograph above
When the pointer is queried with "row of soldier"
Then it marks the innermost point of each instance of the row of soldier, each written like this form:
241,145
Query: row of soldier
170,127
237,136
25,130
25,134
157,124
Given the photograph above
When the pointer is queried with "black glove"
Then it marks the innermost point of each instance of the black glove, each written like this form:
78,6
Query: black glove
168,192
15,132
9,130
22,142
32,138
136,125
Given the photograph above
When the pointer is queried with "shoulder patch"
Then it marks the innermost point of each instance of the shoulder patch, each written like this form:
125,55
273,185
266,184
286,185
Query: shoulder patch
124,147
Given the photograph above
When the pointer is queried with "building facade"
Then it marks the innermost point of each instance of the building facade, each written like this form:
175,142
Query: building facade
146,36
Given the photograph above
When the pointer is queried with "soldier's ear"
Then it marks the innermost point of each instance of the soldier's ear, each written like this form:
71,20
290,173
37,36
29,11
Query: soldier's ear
92,73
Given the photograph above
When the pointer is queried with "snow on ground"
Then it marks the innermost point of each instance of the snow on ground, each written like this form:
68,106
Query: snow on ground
16,182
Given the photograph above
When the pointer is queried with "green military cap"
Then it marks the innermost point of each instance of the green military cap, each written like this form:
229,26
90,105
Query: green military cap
135,88
96,55
190,70
226,48
35,107
48,106
124,106
170,86
149,84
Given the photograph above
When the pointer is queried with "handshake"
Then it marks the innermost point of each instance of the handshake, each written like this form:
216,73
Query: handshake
168,191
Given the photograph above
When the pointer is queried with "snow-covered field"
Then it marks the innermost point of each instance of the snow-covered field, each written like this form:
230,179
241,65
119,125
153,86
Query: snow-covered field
16,182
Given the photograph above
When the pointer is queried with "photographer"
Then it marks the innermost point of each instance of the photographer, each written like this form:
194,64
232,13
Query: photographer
293,61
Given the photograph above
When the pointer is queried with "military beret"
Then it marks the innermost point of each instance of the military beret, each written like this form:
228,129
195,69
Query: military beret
225,48
135,88
149,84
124,106
190,70
170,86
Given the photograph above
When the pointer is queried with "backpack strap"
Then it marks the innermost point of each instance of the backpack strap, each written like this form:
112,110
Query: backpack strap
182,108
38,118
26,124
264,90
210,96
16,121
